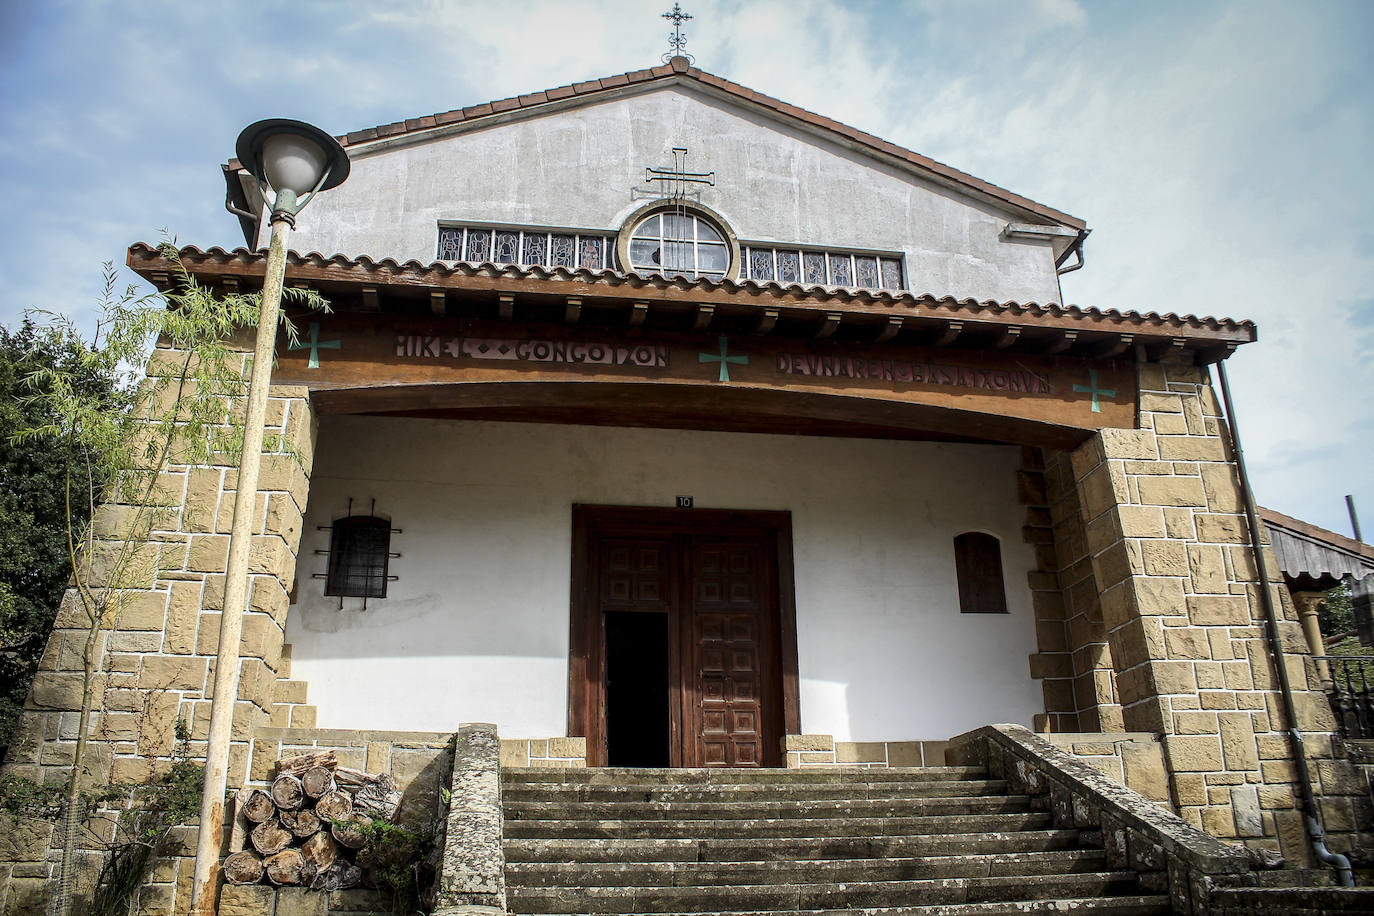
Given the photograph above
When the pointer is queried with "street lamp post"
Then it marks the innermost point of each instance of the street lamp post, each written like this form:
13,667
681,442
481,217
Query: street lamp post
297,161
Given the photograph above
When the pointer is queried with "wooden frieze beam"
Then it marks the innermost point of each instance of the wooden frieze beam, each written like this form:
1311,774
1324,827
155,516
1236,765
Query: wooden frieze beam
1066,339
1009,336
829,325
890,330
767,319
372,301
950,333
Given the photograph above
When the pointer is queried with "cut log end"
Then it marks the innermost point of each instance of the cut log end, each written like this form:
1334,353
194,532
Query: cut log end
317,781
284,869
287,792
259,807
243,868
269,838
334,806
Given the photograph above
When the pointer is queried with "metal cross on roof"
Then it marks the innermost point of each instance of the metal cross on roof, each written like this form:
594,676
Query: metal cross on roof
677,41
678,177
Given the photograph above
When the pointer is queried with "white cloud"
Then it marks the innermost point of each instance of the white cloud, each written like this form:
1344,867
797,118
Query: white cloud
1218,150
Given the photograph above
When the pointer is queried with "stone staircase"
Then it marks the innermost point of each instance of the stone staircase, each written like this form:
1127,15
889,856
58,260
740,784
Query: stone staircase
885,841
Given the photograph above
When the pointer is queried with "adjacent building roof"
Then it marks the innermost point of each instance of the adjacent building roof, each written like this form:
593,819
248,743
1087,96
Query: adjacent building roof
678,69
1312,558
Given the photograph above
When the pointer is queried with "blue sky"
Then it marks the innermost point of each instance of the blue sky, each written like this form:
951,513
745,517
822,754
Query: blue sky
1219,150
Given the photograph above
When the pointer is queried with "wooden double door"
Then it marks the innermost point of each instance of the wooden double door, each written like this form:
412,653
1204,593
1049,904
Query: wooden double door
683,648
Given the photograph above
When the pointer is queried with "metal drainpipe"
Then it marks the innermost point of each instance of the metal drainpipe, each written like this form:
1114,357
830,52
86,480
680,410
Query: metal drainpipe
1309,802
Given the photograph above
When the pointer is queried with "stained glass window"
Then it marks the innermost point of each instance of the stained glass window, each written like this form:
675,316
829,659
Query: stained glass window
867,273
507,248
892,273
789,267
814,262
450,244
564,251
478,246
839,270
761,264
536,249
358,557
590,253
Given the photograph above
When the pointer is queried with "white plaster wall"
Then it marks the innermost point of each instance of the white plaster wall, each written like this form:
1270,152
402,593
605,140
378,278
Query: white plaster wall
476,628
577,168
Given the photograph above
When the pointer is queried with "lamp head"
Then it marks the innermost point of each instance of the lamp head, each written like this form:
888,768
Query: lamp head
292,156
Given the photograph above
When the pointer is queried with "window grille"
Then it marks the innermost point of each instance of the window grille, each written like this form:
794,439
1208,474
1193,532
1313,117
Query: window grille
863,270
359,557
526,247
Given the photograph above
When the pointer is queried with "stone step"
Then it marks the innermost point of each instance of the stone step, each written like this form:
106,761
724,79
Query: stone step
791,897
1131,905
792,827
735,775
816,871
597,809
773,849
667,792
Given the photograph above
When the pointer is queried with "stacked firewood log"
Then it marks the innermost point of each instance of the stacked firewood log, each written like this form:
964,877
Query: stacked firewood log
305,830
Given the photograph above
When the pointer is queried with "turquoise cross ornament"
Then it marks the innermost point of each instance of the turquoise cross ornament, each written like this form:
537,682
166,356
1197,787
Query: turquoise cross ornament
1092,388
315,345
724,360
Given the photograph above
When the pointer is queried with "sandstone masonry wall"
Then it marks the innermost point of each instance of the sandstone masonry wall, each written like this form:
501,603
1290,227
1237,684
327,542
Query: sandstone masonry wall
157,660
1180,604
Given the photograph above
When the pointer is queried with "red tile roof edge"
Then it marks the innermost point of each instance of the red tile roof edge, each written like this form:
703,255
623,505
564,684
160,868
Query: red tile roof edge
143,250
1309,530
679,67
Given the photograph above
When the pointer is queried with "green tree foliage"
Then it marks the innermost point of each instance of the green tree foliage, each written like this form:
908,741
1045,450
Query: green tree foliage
1336,615
34,565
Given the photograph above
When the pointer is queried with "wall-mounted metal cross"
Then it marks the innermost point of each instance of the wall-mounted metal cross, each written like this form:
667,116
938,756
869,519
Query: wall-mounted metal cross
724,360
678,177
315,345
1092,388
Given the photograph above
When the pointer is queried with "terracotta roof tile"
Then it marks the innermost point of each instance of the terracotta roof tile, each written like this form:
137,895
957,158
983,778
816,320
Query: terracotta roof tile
610,82
477,111
148,257
562,92
584,88
534,98
505,105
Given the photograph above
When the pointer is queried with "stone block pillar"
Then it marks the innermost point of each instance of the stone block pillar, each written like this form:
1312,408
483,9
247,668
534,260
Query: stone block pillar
1180,603
156,658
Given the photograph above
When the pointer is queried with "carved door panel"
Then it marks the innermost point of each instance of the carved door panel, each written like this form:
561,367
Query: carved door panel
714,578
728,662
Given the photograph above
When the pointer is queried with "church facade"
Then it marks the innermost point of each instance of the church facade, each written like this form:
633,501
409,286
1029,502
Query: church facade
662,423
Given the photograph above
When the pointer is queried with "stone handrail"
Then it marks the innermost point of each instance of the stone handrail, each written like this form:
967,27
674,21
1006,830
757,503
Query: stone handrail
1137,834
472,877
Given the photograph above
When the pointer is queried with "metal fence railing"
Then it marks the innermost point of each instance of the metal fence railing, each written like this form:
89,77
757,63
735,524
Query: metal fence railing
1351,692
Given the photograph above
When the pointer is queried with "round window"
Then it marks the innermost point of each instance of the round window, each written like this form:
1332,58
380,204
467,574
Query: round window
679,243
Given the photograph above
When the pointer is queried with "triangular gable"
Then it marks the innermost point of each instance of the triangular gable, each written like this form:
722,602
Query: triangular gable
678,70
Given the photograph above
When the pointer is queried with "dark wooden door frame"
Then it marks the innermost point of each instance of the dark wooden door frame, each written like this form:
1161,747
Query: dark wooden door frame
586,651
